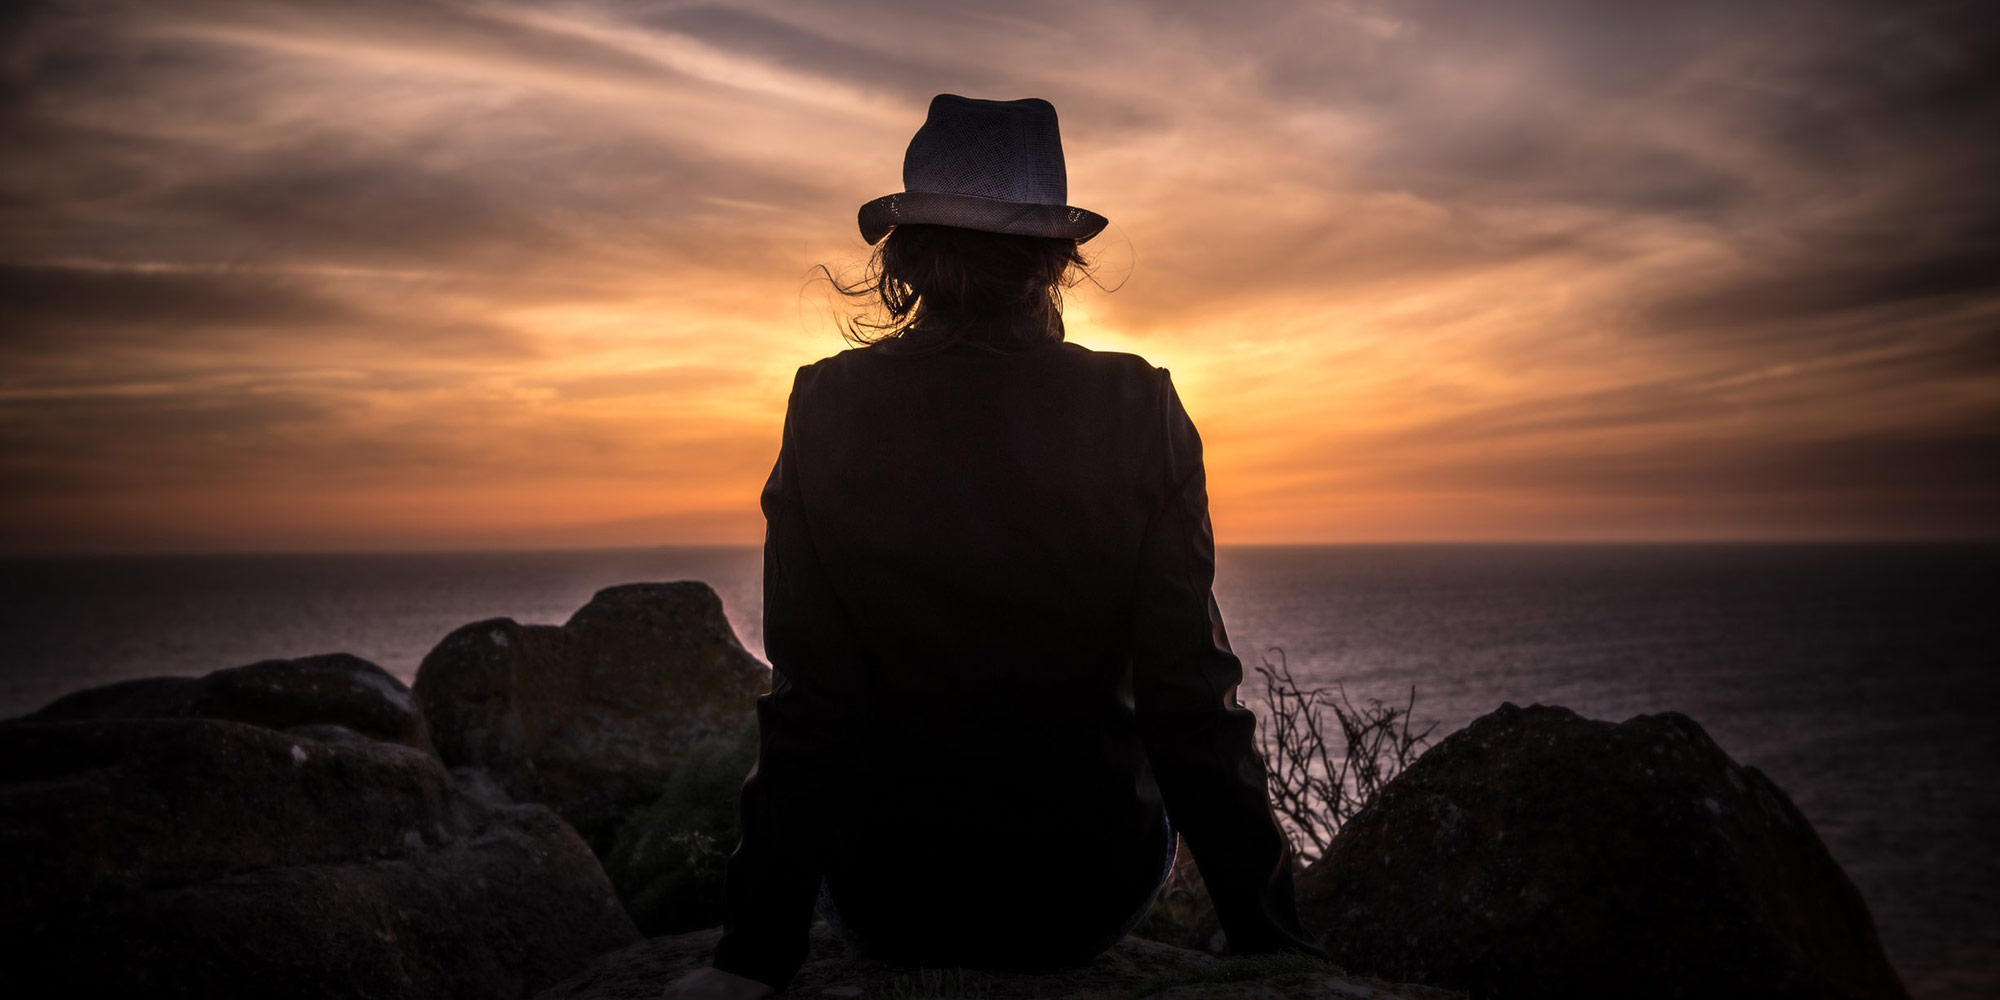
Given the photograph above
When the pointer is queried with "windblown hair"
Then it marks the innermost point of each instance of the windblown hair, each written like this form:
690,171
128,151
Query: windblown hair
930,287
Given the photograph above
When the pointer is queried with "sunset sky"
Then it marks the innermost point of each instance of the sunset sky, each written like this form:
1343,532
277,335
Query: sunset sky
312,276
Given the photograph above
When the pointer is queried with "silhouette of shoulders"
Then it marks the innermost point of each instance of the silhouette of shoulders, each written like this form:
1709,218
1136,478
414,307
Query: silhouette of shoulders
1061,353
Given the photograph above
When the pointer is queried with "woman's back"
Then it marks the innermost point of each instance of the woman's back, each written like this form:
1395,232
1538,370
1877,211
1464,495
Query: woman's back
980,518
998,670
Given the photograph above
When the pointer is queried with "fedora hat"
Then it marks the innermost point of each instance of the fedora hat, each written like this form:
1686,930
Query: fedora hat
996,166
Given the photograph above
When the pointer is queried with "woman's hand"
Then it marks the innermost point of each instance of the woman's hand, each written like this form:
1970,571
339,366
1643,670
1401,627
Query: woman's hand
715,984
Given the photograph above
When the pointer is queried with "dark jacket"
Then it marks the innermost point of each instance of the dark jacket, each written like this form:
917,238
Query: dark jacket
987,608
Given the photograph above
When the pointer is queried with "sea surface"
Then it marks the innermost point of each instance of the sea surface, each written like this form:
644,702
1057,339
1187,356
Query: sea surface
1863,679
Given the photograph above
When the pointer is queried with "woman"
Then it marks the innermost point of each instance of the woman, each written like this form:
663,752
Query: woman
1001,687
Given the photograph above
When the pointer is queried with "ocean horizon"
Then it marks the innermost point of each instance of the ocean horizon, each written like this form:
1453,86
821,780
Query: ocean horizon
1861,677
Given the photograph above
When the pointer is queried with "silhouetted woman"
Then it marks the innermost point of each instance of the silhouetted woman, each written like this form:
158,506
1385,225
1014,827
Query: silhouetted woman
997,667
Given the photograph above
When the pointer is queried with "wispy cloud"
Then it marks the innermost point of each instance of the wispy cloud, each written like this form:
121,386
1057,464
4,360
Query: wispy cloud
300,274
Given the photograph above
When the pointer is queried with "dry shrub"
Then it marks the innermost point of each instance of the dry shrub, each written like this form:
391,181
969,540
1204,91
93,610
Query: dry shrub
1319,778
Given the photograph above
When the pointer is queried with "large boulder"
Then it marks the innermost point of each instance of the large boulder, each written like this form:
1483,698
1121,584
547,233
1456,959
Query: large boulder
1132,968
1537,853
591,716
311,694
197,857
669,858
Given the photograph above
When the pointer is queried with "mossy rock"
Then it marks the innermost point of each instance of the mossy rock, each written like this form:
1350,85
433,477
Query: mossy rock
667,860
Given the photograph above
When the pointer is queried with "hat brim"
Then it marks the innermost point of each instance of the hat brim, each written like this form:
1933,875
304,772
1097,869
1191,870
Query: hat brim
973,212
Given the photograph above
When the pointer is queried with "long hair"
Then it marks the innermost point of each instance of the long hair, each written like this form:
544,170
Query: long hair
930,287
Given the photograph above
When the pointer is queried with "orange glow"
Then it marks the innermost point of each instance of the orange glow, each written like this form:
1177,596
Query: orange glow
301,276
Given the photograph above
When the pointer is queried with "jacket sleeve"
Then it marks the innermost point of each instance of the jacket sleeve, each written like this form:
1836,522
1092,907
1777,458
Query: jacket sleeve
1200,741
810,730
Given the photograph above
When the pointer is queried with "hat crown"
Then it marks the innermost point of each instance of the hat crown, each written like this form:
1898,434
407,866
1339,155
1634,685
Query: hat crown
1005,150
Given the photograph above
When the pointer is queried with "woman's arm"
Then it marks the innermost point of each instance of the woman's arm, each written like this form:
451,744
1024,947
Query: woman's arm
811,727
1200,740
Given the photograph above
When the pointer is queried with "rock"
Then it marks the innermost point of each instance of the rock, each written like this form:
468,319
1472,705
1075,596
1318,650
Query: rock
326,732
590,717
331,690
148,857
147,697
1536,853
481,786
1132,968
668,858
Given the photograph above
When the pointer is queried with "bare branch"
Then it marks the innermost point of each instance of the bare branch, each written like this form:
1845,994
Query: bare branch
1313,791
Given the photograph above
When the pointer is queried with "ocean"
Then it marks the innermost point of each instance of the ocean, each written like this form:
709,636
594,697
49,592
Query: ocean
1863,679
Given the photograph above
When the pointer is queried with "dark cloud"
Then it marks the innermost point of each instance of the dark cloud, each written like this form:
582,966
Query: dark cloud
314,200
273,431
307,203
51,313
1839,277
52,301
1692,406
102,442
1590,103
1948,461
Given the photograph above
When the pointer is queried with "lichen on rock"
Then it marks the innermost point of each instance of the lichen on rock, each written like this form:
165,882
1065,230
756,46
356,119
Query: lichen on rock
591,716
1537,853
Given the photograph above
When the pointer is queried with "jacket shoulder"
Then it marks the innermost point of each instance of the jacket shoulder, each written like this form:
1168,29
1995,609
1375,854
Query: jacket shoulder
1117,373
1109,360
833,365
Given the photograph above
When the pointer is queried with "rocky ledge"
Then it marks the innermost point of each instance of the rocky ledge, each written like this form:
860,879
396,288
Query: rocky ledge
314,828
1132,969
201,857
